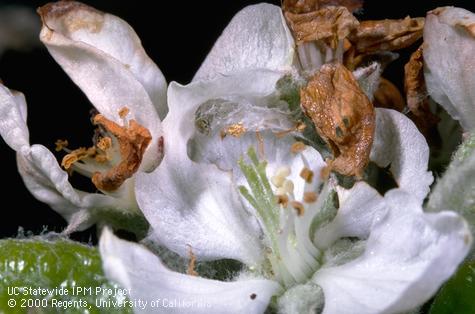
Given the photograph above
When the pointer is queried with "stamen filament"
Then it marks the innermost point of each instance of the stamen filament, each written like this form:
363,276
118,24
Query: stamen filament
292,255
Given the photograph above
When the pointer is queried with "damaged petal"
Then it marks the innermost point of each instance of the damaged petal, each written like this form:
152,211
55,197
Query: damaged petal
133,141
71,16
416,94
343,116
330,24
388,96
372,36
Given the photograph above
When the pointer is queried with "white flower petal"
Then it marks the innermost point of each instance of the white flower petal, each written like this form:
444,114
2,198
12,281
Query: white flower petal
48,183
225,153
360,207
107,68
409,254
194,204
13,127
449,58
398,143
137,269
197,205
256,38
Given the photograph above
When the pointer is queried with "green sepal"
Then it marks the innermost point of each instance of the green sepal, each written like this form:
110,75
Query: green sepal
458,294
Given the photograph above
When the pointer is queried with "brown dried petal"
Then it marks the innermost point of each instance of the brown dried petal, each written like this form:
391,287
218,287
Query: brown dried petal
351,5
388,96
372,36
343,116
305,6
414,83
417,95
329,24
133,140
300,6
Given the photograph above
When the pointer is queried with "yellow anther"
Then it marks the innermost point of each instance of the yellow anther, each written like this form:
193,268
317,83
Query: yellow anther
68,161
77,155
277,181
123,112
307,175
297,147
283,172
288,186
298,207
61,144
235,130
104,143
310,197
283,200
300,126
279,178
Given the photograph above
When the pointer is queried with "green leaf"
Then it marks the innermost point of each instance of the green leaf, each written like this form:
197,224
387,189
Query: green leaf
458,294
38,263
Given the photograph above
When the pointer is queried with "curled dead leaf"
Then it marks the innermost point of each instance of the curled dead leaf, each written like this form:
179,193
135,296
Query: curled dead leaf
343,116
372,36
417,96
388,96
330,24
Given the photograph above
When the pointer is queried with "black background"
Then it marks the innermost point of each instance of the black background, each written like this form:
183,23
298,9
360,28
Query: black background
177,36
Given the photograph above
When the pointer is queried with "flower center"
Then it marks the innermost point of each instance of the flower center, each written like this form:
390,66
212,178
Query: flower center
288,223
115,156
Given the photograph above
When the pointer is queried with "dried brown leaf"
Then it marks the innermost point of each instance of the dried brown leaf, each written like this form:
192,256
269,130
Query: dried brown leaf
305,6
388,96
417,95
343,116
372,36
330,24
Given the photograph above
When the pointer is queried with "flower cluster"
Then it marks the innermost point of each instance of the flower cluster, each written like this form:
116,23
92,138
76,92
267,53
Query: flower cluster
272,156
